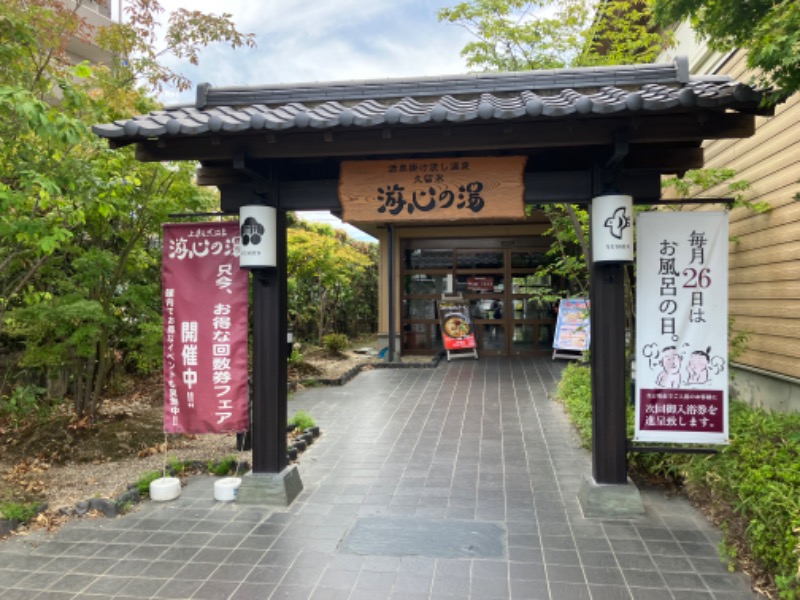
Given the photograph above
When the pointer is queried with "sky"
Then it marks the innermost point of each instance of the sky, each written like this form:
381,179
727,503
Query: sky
325,40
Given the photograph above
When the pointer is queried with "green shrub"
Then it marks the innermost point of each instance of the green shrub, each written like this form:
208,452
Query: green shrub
143,483
302,420
23,402
295,358
335,343
16,511
575,391
757,477
223,466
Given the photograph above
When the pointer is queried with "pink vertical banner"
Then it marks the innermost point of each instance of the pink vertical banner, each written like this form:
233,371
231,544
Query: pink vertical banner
205,302
682,327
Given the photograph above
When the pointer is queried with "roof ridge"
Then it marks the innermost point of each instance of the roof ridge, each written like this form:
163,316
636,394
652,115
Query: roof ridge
475,83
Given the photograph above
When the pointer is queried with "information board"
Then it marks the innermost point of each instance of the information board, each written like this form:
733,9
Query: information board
572,328
458,332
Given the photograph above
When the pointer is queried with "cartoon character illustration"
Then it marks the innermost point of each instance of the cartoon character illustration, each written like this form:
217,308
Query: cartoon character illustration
670,376
698,366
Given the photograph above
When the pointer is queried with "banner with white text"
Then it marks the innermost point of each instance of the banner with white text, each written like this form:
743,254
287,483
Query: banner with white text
205,301
682,327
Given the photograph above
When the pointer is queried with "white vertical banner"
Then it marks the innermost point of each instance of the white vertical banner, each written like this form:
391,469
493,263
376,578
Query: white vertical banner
682,327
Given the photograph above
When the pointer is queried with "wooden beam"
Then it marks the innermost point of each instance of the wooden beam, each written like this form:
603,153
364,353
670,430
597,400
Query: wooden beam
540,188
451,138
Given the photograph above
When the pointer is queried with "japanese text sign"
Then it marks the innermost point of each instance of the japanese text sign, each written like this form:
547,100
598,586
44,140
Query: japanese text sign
682,327
432,190
205,301
572,326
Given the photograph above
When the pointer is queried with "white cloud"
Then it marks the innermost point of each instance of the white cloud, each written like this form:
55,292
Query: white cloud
303,41
316,40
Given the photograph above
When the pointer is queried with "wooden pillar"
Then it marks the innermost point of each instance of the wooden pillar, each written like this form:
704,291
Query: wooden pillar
609,435
270,394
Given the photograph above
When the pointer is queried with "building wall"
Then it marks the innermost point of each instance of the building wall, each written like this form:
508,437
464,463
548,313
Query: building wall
765,248
96,15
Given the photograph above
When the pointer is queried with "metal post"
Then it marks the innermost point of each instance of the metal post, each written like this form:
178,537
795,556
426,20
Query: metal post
270,361
390,252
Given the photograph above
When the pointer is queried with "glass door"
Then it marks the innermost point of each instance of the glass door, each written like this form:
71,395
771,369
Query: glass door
504,293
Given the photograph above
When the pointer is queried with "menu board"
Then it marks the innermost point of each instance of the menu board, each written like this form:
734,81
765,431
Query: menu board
458,332
572,326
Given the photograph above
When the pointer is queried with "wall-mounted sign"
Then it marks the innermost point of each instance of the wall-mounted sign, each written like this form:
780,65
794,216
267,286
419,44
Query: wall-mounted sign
480,283
612,229
205,298
682,327
432,190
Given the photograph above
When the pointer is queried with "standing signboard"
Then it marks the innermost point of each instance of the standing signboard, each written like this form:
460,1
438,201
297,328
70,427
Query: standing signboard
458,333
572,328
682,327
205,301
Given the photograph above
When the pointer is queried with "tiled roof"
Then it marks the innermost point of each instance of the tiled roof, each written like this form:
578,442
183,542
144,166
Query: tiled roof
395,102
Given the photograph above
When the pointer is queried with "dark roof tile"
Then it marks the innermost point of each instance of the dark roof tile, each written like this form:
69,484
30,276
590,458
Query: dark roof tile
488,96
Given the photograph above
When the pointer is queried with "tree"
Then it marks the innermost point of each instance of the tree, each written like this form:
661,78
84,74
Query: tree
544,34
768,29
332,281
517,35
79,284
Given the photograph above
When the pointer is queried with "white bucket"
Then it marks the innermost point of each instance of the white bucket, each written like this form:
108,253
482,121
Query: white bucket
165,488
225,489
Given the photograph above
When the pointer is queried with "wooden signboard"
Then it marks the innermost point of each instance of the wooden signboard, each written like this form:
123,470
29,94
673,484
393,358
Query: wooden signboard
432,190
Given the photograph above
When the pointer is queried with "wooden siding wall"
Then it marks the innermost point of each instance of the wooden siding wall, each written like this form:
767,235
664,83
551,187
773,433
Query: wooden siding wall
765,253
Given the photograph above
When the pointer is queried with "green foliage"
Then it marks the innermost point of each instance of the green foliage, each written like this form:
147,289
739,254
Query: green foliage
23,402
768,30
16,511
335,343
755,477
223,466
720,182
143,483
332,282
519,35
302,420
80,262
295,358
575,392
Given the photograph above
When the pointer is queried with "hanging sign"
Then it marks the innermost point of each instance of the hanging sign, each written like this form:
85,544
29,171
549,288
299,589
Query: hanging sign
612,230
457,330
682,327
572,325
205,301
432,190
257,236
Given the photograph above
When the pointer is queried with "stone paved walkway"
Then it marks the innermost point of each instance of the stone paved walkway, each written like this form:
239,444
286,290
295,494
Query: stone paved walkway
411,466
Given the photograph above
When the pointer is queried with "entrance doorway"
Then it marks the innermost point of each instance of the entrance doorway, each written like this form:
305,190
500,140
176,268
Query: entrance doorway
496,276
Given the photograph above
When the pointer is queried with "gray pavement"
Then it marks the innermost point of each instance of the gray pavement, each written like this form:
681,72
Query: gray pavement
449,483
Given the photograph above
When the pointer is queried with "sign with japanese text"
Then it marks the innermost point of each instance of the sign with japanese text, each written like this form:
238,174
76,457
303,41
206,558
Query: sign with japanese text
682,327
572,325
457,330
432,190
205,301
